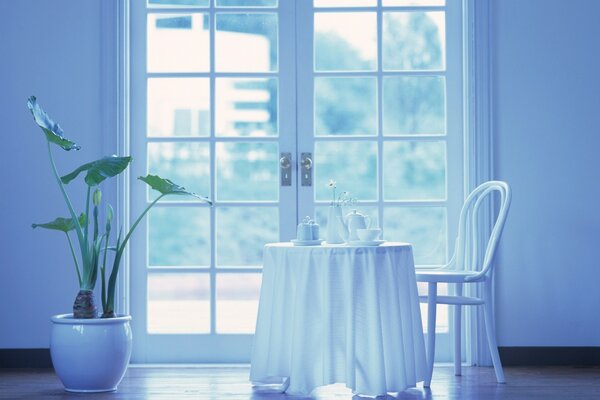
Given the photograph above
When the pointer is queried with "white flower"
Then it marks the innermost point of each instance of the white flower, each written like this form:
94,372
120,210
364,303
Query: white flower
331,183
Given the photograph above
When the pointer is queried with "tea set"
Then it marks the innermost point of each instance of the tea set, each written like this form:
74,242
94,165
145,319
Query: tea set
352,229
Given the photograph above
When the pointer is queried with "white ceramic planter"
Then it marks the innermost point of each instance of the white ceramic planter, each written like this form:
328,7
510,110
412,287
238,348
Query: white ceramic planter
90,355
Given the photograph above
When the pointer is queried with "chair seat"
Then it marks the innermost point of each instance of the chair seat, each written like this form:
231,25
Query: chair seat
462,300
444,275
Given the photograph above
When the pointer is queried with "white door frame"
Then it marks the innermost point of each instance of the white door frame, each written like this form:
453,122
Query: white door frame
477,117
210,347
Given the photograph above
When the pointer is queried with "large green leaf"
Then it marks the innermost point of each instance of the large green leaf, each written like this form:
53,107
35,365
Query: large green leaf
53,131
99,170
61,224
166,186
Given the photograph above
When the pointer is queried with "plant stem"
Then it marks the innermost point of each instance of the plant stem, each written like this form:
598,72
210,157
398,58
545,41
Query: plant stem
87,212
117,261
138,220
95,222
82,246
74,258
103,269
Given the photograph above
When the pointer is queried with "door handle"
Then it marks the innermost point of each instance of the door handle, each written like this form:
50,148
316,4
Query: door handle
306,168
285,167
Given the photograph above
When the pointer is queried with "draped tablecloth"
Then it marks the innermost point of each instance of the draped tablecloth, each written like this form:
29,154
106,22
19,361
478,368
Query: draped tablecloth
339,314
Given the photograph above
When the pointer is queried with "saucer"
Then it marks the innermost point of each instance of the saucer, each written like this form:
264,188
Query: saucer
366,242
297,242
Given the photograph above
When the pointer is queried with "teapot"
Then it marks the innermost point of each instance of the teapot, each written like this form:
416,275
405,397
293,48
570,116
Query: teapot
350,223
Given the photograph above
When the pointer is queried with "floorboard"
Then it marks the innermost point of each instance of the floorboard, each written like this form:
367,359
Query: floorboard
231,382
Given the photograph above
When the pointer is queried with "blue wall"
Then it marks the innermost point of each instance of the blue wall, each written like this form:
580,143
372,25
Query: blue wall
51,49
547,137
547,119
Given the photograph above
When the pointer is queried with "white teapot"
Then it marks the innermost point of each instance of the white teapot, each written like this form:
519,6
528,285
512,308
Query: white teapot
351,222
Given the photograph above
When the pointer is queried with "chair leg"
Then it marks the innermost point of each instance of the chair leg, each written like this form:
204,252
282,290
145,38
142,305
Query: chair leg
457,332
431,309
490,329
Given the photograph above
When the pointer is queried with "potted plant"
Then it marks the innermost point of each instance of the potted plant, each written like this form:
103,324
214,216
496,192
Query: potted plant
91,354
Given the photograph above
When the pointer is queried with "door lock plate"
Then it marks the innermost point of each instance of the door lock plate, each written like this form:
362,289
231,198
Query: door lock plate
306,169
285,169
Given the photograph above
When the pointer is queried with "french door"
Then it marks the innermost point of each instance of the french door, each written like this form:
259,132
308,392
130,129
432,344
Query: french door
259,104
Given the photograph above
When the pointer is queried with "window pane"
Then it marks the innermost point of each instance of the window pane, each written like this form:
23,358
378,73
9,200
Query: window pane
246,107
353,165
237,302
178,303
414,105
246,3
414,170
414,40
186,164
424,227
178,107
345,3
345,41
414,2
247,171
177,3
246,43
178,43
242,233
345,106
179,236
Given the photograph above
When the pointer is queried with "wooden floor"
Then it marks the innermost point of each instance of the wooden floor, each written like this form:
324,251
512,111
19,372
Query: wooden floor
231,382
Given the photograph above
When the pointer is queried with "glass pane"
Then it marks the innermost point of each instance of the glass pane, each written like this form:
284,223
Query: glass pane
178,303
177,3
179,236
345,41
345,106
247,171
178,43
414,105
242,232
321,214
246,107
414,40
186,164
414,170
246,43
178,107
414,2
345,3
353,165
246,3
424,227
237,302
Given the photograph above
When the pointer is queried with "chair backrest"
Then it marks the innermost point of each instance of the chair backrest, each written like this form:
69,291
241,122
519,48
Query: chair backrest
471,252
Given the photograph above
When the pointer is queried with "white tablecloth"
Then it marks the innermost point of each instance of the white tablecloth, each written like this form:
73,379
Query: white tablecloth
337,313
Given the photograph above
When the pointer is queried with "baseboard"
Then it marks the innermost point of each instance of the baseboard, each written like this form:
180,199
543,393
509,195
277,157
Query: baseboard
511,356
25,358
548,356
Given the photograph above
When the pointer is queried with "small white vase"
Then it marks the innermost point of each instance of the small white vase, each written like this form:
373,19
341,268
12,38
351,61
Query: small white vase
333,225
90,355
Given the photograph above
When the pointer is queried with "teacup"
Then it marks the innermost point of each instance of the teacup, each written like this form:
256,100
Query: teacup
368,235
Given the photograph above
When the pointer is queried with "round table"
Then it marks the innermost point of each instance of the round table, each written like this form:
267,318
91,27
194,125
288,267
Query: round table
339,314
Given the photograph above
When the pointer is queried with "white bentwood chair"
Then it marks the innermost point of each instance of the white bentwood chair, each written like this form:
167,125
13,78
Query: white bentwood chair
466,266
